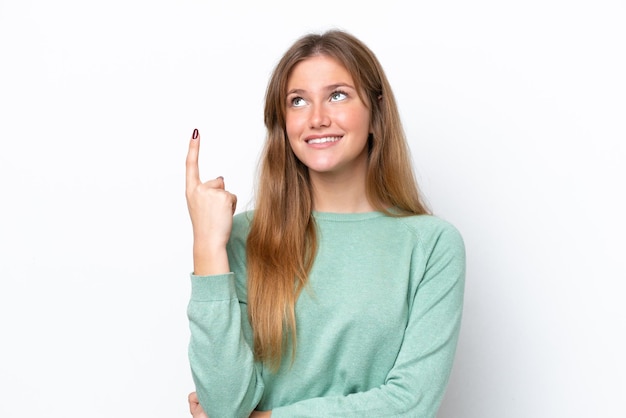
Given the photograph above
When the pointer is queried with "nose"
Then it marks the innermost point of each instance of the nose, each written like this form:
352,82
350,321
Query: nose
319,116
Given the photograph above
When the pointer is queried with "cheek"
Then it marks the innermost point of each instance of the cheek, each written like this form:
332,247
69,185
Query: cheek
355,120
290,136
294,127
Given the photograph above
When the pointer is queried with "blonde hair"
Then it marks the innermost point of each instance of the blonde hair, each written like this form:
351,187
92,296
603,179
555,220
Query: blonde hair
282,242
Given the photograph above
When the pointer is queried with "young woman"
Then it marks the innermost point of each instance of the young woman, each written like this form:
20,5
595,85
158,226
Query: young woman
340,294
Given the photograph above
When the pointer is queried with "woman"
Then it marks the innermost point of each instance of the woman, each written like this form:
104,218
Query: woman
339,295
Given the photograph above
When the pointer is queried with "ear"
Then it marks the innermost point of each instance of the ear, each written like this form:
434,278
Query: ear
380,97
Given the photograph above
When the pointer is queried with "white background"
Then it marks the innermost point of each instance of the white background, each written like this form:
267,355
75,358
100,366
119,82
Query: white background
515,111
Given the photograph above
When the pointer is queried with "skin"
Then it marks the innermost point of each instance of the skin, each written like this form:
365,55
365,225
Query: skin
197,411
321,102
211,209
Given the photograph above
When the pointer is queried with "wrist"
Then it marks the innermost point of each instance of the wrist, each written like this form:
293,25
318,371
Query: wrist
210,259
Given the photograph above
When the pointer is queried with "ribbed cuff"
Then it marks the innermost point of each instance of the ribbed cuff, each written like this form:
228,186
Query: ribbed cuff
213,288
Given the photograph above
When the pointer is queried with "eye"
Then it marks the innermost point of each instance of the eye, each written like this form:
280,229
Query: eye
338,95
297,102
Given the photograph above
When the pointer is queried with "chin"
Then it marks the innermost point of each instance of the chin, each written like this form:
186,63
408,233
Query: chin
320,166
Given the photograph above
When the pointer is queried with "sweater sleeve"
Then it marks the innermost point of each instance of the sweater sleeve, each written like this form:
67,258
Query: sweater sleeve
416,384
227,379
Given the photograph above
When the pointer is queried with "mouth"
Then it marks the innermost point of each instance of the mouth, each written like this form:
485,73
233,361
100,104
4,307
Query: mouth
323,140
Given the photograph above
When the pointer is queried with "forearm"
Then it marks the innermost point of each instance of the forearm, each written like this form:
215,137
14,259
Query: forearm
222,364
414,387
407,393
209,259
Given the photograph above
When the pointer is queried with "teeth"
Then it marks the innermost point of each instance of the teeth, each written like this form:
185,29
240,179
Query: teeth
323,140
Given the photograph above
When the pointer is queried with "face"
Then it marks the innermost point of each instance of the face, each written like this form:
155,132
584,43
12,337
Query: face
327,123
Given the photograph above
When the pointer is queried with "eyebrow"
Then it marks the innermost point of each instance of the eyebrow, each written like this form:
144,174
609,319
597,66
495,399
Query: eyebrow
327,88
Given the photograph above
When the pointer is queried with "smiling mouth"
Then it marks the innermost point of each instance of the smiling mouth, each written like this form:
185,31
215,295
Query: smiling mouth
323,140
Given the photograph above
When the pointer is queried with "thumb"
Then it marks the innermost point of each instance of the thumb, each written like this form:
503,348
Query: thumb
217,183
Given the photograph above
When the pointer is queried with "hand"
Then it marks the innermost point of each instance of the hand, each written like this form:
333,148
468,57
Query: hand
194,406
211,209
197,412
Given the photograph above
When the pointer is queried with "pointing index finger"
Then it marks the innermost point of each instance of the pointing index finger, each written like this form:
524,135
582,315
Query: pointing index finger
192,171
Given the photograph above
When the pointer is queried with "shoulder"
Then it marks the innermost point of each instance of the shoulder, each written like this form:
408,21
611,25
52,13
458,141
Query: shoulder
242,220
428,224
433,232
241,227
439,250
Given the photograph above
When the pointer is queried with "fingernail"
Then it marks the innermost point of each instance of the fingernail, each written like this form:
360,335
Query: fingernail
195,134
220,178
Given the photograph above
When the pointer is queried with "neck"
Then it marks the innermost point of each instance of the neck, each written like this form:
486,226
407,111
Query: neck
340,194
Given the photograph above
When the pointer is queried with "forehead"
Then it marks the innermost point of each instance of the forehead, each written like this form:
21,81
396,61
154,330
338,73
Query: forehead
318,71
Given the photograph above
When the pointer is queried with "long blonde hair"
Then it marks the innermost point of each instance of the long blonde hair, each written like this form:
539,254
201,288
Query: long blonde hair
282,242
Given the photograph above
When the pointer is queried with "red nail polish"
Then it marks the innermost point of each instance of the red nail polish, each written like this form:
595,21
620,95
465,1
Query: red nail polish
195,134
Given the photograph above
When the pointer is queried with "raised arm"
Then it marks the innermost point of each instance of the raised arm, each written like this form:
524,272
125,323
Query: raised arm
225,374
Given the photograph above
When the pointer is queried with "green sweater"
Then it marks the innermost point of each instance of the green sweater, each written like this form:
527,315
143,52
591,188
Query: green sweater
377,325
